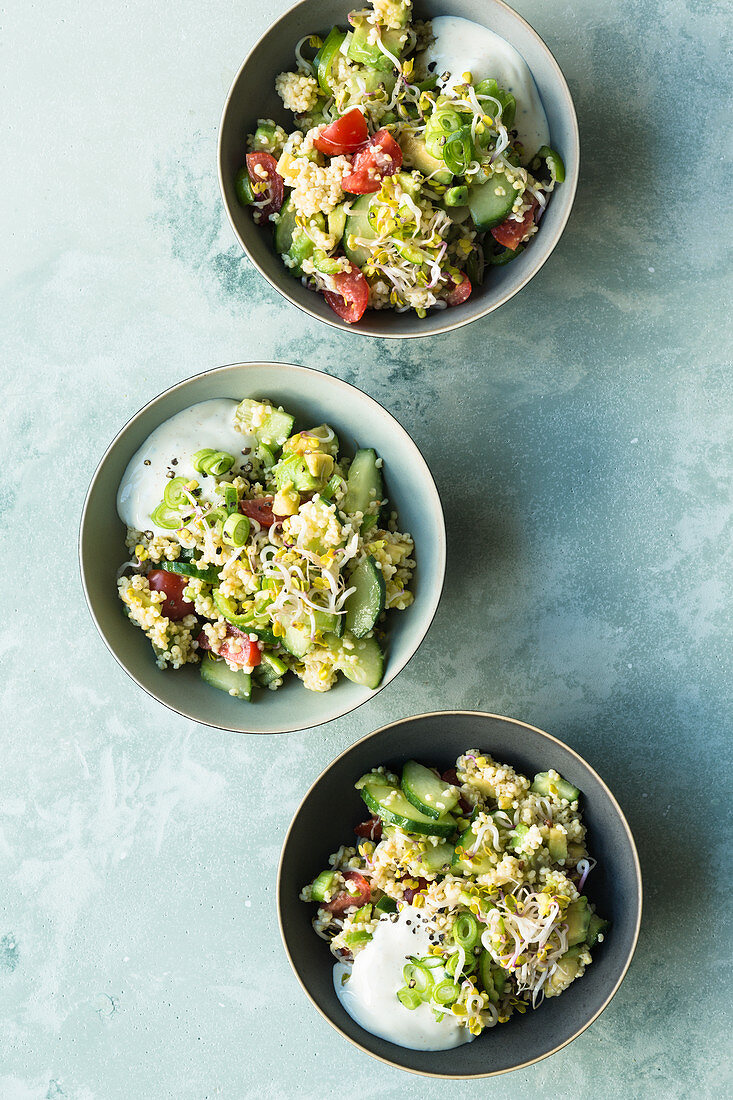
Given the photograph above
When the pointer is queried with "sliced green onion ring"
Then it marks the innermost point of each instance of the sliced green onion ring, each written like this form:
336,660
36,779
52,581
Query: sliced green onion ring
166,517
216,515
216,463
174,495
236,529
418,978
231,499
466,931
458,151
446,992
409,998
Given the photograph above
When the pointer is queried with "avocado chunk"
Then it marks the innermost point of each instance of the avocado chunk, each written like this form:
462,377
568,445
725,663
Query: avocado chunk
577,918
416,155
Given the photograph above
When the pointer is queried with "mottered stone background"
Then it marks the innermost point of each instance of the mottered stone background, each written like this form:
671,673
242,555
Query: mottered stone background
580,438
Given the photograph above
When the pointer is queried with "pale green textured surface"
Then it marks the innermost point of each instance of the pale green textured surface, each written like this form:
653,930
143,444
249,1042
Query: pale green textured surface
580,437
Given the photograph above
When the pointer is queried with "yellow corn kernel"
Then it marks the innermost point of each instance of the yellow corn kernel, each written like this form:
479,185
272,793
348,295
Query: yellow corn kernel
488,120
277,630
140,552
418,901
459,1010
323,673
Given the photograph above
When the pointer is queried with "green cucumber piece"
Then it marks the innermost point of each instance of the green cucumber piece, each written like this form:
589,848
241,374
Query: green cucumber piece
243,187
462,864
324,58
558,788
355,939
296,639
293,470
275,427
596,926
368,53
362,661
337,221
391,805
493,977
269,669
357,225
491,203
218,674
363,477
438,859
227,608
432,796
209,574
385,904
366,602
322,884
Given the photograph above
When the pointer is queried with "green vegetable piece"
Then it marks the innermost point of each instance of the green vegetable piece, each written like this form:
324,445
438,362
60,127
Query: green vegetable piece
243,187
236,530
322,885
553,160
456,196
409,998
217,673
209,574
166,517
466,931
385,904
557,788
325,57
442,122
506,100
446,992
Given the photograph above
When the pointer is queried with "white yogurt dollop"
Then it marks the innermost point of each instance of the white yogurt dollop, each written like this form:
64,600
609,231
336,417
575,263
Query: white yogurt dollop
208,424
464,46
370,994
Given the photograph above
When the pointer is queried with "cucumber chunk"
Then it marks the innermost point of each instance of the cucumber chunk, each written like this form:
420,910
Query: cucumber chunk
209,574
362,662
557,843
391,805
270,669
427,793
363,483
385,904
322,884
366,602
556,788
227,608
462,863
577,917
438,859
491,203
596,926
218,674
357,225
297,639
275,427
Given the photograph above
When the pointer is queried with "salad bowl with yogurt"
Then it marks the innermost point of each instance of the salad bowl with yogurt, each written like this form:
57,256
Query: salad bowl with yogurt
258,557
474,909
414,167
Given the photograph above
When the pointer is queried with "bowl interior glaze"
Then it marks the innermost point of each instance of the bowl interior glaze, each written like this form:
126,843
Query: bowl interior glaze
253,96
314,397
332,807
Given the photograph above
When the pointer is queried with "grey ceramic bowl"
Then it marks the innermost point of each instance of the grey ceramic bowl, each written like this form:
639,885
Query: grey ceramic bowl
332,807
313,397
253,96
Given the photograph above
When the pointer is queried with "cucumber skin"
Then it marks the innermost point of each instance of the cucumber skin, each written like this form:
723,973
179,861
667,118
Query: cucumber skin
499,206
363,609
438,828
363,475
217,674
415,799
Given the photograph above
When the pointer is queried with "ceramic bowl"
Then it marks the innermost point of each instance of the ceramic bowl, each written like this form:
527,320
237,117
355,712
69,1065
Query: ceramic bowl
253,96
313,397
331,808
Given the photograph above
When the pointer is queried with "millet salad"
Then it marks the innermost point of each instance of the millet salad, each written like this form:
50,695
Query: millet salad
461,903
406,175
258,551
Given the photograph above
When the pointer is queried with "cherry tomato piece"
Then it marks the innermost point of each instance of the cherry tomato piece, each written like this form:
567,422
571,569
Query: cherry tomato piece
370,830
458,292
346,135
510,232
380,158
174,606
262,169
259,510
240,650
410,892
345,900
351,295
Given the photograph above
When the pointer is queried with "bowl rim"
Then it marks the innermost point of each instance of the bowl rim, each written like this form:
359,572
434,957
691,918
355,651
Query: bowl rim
433,601
570,185
637,867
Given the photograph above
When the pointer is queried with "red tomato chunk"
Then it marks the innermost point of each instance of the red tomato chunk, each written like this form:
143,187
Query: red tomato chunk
174,606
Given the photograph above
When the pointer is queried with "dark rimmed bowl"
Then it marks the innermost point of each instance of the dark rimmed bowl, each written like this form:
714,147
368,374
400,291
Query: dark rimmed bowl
313,397
332,807
253,96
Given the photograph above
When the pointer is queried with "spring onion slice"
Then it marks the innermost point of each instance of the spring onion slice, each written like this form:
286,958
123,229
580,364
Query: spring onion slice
174,494
236,530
